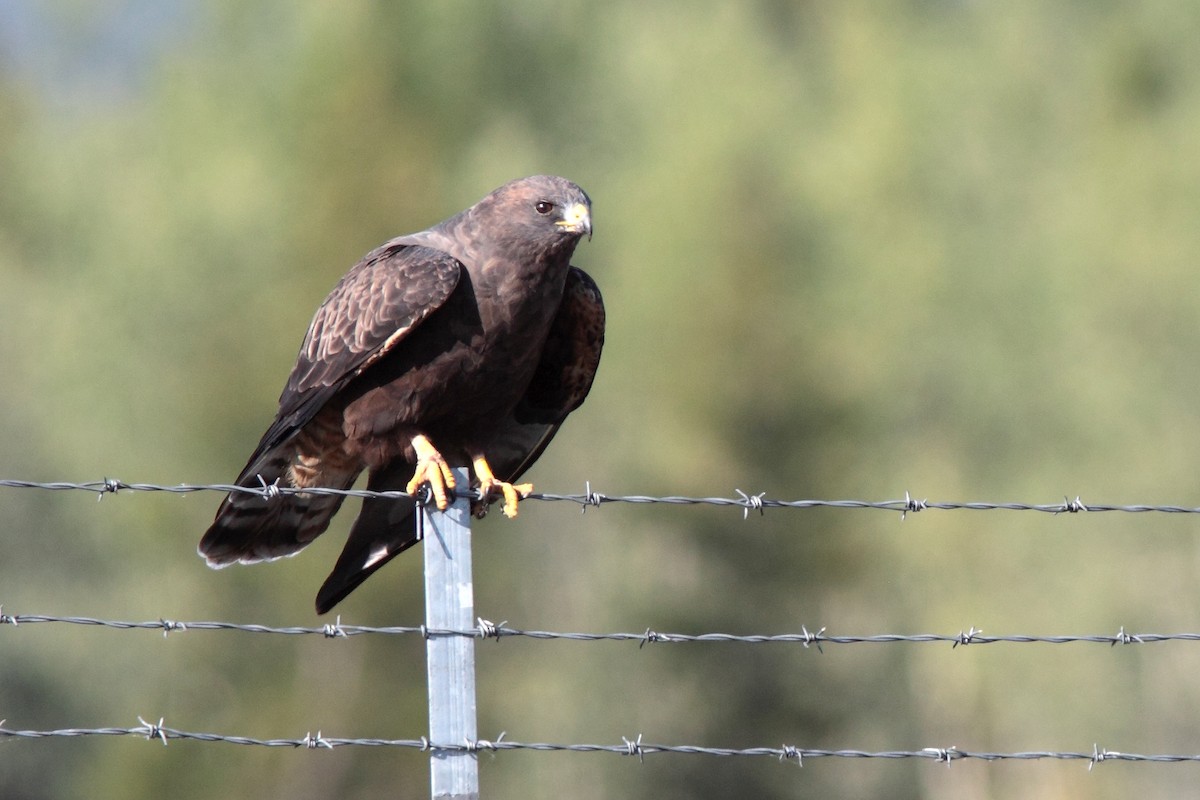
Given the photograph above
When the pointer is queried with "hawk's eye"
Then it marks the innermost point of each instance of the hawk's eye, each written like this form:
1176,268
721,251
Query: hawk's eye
543,207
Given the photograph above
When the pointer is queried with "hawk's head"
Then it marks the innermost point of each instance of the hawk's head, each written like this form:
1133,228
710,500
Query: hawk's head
545,209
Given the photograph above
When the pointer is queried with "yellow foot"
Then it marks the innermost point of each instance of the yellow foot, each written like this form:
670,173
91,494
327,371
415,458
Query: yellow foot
490,485
432,469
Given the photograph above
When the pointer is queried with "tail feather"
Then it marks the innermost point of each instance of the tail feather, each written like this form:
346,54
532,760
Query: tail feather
384,529
249,528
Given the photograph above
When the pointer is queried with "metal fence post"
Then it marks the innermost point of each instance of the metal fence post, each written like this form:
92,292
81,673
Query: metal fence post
450,660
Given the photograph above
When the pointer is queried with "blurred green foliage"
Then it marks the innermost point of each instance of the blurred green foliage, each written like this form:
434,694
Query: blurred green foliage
848,250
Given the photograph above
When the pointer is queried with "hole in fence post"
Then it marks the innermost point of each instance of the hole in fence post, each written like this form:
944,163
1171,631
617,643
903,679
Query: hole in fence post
450,660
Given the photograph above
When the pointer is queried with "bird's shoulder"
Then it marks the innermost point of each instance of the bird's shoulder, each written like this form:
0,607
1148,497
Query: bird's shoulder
374,306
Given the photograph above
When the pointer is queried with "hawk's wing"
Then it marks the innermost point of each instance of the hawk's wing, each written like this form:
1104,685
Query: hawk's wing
373,308
562,381
385,527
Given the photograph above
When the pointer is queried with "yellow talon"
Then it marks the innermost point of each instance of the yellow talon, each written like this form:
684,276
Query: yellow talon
432,469
489,484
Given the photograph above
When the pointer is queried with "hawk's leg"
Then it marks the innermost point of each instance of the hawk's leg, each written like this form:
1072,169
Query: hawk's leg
432,469
489,485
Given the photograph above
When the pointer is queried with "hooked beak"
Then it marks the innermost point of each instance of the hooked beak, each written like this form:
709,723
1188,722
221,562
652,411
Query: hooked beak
577,219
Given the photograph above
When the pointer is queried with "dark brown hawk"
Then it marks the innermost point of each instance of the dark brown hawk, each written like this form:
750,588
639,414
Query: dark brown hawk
468,343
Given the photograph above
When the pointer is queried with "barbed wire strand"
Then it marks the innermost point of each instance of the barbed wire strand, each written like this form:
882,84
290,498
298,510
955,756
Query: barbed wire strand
486,629
629,747
590,498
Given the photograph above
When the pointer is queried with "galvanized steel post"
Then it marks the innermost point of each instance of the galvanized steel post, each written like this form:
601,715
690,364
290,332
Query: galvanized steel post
450,659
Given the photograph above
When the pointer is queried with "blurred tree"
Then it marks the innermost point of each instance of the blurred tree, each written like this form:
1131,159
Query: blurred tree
847,250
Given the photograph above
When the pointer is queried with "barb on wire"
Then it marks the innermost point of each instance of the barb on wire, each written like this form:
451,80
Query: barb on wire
589,498
486,629
751,502
912,504
153,731
747,502
628,747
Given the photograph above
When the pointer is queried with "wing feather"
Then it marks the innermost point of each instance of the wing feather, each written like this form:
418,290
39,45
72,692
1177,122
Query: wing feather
376,305
562,380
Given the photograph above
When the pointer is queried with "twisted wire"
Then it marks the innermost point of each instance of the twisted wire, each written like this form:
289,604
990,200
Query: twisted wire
158,731
590,498
486,629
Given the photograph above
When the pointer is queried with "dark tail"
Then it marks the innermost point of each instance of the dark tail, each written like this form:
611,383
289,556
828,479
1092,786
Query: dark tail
249,528
384,529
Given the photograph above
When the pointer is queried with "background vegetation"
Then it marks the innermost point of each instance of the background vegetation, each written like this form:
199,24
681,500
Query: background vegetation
848,250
